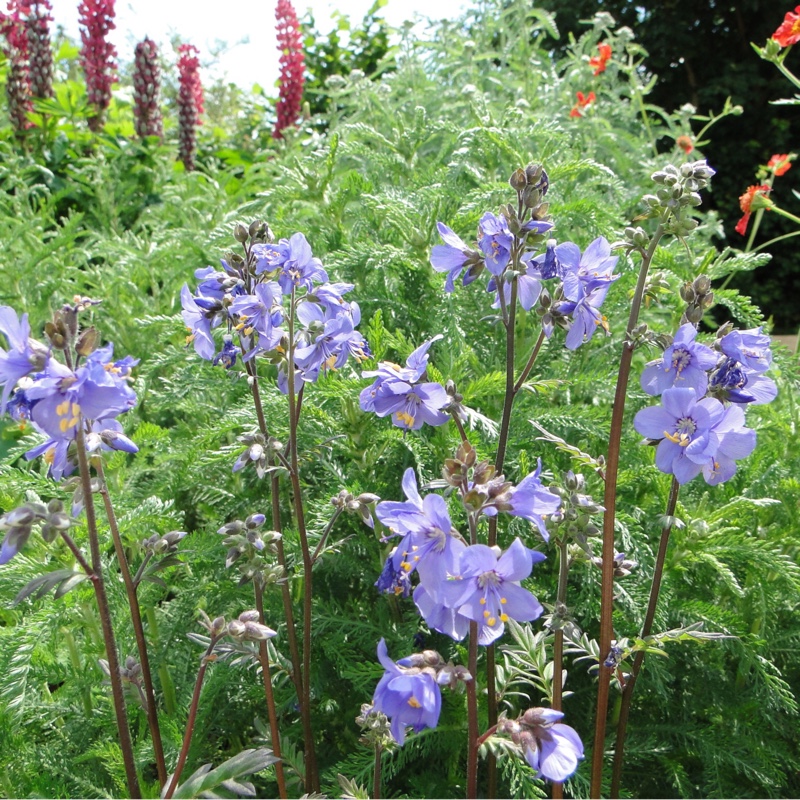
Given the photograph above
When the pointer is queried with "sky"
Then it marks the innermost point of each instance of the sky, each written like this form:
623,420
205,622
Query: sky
246,26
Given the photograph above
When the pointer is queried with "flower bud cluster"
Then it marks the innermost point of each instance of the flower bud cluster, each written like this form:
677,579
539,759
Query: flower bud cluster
678,192
39,49
574,519
375,728
246,628
146,88
698,298
166,545
97,55
190,103
18,525
248,547
359,504
260,452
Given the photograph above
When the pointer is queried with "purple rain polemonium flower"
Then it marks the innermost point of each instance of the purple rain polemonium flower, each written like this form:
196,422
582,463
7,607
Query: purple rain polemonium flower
749,348
392,580
696,436
23,355
495,240
262,313
487,588
587,279
297,264
200,315
532,501
453,257
440,617
552,748
428,545
407,696
735,383
399,391
529,285
685,363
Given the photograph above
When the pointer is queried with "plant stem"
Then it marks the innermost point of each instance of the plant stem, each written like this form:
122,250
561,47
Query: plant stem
647,627
609,519
79,557
558,643
187,737
312,780
460,425
291,630
263,655
472,714
508,400
138,627
523,376
325,533
376,774
126,745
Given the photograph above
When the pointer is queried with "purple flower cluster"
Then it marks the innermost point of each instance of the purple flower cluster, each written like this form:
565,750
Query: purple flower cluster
460,583
146,87
404,393
56,400
249,298
39,48
699,425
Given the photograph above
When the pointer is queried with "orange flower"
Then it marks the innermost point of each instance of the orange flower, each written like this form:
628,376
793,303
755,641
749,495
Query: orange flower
685,143
789,31
583,101
780,165
599,62
746,204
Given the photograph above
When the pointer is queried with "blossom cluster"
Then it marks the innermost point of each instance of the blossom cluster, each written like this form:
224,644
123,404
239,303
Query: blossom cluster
599,62
699,427
59,401
146,87
292,66
248,298
580,282
190,103
40,53
18,82
459,583
97,55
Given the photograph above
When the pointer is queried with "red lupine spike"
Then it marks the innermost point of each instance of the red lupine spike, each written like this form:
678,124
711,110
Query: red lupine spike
292,64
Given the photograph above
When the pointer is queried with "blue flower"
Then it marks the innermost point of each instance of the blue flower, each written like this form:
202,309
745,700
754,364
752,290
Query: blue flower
486,588
297,264
440,617
532,501
495,240
452,257
200,319
749,348
392,580
407,696
684,363
261,313
735,383
23,356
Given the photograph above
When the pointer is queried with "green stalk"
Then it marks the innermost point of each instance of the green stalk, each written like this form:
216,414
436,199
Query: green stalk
647,627
609,519
558,644
138,628
96,576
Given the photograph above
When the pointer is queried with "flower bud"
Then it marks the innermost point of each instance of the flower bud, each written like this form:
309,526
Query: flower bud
217,626
249,616
518,180
87,342
236,628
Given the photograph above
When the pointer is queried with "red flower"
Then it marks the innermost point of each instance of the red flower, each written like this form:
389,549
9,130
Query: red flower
190,103
146,85
789,31
780,165
97,56
583,101
18,81
685,143
599,62
746,204
292,63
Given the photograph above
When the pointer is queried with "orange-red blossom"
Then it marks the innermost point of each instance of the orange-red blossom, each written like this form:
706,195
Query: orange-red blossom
753,194
599,62
583,101
789,31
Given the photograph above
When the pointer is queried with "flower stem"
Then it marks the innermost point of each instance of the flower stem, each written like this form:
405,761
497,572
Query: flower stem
647,627
79,557
126,745
558,643
138,627
269,695
609,519
376,774
472,714
311,778
187,737
325,533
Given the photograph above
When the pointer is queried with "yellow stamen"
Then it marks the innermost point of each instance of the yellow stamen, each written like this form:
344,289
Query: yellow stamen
483,601
414,703
76,409
491,622
487,614
63,425
504,617
503,600
62,408
406,566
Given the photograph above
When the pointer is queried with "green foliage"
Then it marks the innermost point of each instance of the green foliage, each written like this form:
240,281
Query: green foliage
433,139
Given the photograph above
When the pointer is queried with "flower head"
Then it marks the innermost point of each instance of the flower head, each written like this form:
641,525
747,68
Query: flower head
583,102
495,240
685,143
780,164
601,59
409,696
788,32
146,87
292,65
684,363
97,55
190,103
754,194
453,257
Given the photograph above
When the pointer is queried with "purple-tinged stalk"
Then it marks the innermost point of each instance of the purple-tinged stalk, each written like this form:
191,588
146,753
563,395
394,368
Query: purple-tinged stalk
558,643
97,56
138,628
677,194
647,627
190,104
39,48
292,67
146,89
18,83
